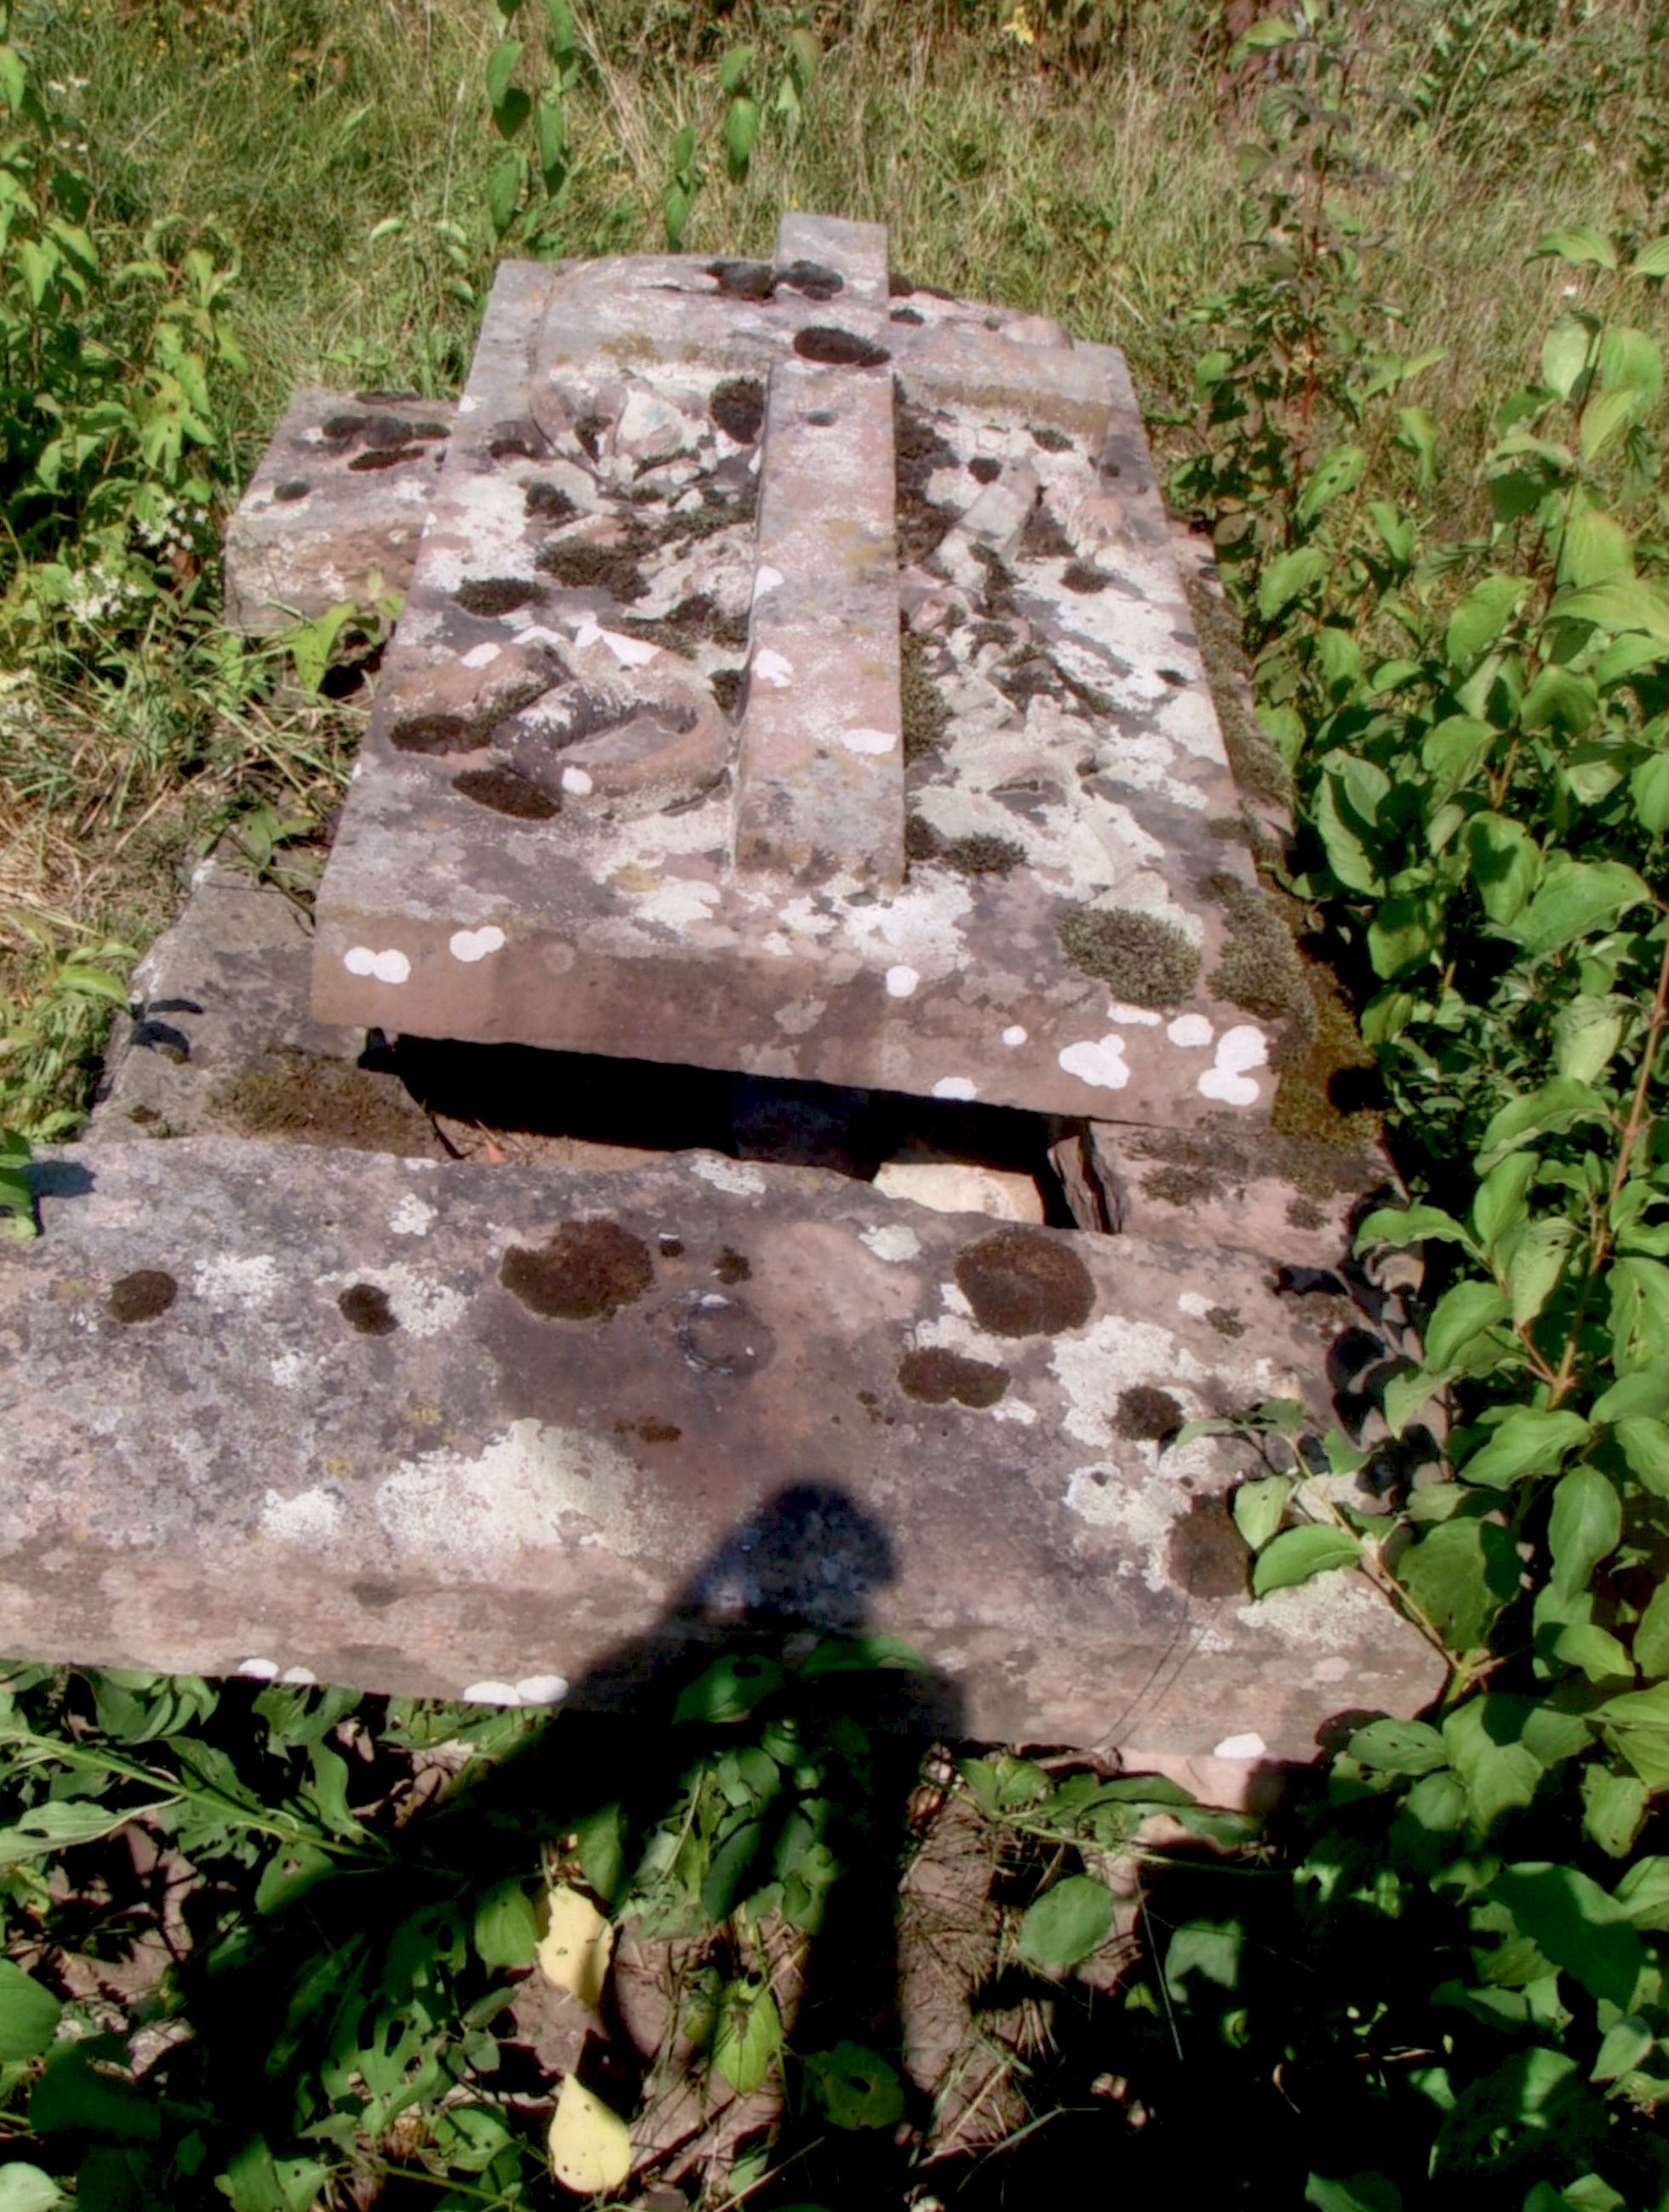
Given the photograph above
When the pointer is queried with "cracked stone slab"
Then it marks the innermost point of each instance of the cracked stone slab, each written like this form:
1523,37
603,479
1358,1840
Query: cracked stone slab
686,845
336,508
493,1431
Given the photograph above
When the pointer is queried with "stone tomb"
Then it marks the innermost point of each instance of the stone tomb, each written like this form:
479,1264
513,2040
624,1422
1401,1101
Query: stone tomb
796,678
793,682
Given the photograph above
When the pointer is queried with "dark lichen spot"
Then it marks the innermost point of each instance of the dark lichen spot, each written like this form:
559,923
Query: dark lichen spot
921,841
1043,537
1304,1212
519,441
293,488
495,595
376,1594
1083,576
440,732
1021,1282
1147,1413
312,1099
926,715
981,854
385,431
732,1267
339,427
140,1296
389,457
588,429
990,633
549,499
1174,678
935,1377
587,1271
985,468
1226,1322
811,278
659,1433
820,418
918,450
737,406
1051,439
997,597
727,685
364,1307
839,348
743,280
1146,961
671,1247
1207,1554
906,315
506,792
582,565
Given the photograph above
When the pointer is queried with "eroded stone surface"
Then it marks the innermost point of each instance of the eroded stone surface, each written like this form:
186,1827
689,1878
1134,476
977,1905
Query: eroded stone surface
336,506
424,1428
1065,791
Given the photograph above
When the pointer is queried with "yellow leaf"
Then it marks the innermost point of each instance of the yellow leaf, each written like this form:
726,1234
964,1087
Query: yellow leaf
591,2147
574,1952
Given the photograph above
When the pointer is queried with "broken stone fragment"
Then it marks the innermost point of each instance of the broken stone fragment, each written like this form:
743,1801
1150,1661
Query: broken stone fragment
453,706
651,428
955,1186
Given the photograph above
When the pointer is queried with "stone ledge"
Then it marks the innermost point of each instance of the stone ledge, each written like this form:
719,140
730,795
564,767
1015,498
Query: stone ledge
361,1416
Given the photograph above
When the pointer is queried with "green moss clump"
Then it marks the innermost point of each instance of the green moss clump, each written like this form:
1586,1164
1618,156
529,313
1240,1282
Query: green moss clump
1146,961
583,565
982,853
926,717
1260,968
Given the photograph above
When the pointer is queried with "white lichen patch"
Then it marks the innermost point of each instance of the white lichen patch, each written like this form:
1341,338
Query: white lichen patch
955,1086
472,945
420,1303
538,1486
247,1280
1135,1018
741,1178
766,579
482,656
1239,1050
864,739
1014,1035
391,966
1338,1612
1251,1745
312,1516
1138,1516
288,1369
1114,1354
1191,1031
892,1241
1099,1061
576,782
901,980
412,1217
770,667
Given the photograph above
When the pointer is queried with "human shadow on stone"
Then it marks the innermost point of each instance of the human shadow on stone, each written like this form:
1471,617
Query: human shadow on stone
733,1786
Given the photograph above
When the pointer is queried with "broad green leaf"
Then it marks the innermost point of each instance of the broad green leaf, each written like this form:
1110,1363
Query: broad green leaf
1625,603
1558,1105
1067,1923
1461,1574
1594,548
1481,616
28,2013
1645,1446
1530,1440
741,128
1593,1650
1644,1894
76,2095
1451,752
1259,1506
505,182
731,1687
1457,1316
748,2035
1648,788
1417,431
1634,1398
51,1827
1268,31
1394,1746
590,2146
507,1932
1499,1776
550,139
1607,417
1559,701
1507,2114
1626,2046
1564,354
1578,243
1575,1924
1297,1554
1506,864
1651,260
574,1950
1535,1267
734,69
1614,1807
1335,473
255,2181
1400,936
1651,1636
1288,576
1361,2192
1636,1727
855,2087
1585,1036
1403,1225
1584,1527
1576,897
500,68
